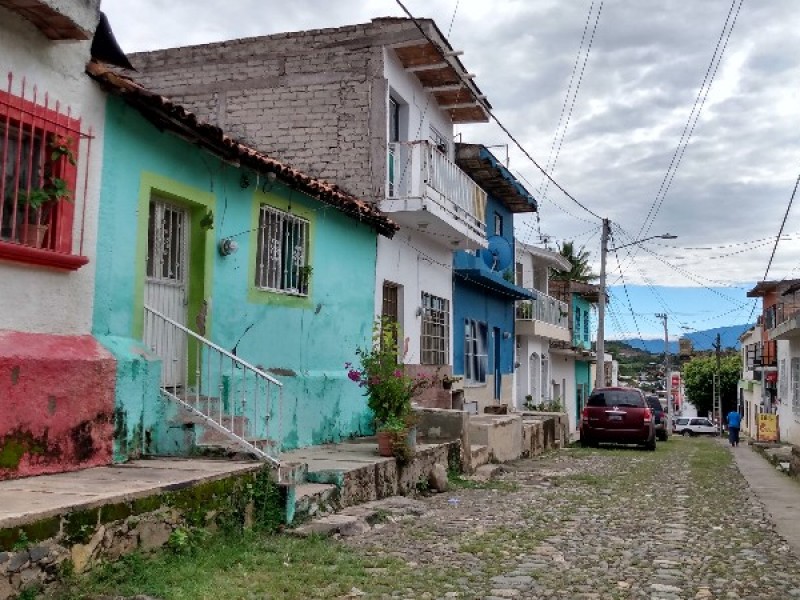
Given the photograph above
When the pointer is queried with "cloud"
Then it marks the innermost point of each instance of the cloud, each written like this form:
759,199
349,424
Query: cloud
647,63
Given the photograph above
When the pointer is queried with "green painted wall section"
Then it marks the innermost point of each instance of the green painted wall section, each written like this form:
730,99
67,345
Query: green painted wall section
303,341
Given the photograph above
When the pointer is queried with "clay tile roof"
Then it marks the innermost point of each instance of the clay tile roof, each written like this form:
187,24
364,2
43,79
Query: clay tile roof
167,114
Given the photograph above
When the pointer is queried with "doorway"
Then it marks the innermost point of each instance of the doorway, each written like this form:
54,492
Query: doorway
498,383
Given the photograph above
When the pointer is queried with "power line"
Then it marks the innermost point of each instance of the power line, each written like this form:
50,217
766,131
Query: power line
777,238
499,123
695,113
552,166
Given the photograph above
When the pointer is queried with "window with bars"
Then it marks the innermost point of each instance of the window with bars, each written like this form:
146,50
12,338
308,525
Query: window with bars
435,338
39,152
282,259
476,357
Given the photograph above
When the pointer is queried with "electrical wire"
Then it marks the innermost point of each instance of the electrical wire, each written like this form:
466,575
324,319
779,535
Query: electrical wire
694,116
778,237
494,117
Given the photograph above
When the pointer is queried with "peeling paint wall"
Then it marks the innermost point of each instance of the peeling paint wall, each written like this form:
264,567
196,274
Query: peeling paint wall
302,341
56,404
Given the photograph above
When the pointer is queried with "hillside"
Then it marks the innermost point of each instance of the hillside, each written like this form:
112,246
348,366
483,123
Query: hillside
701,340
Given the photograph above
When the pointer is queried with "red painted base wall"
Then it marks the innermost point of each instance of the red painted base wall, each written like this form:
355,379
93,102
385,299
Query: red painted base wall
56,404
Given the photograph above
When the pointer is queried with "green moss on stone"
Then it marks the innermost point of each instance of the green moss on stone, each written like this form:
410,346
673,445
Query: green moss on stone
115,512
32,532
17,444
79,526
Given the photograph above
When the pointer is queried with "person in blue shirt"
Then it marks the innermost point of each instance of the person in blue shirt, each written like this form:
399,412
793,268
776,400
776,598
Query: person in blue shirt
734,423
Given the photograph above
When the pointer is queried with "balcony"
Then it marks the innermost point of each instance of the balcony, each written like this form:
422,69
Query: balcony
428,192
786,324
544,316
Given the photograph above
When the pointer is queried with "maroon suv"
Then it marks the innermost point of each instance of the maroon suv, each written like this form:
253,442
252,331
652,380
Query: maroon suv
617,415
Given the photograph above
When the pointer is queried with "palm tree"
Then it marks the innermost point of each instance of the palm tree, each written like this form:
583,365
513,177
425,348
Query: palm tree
580,271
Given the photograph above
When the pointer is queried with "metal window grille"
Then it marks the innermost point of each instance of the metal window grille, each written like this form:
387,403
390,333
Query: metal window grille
166,252
435,338
391,301
586,326
282,260
38,174
476,357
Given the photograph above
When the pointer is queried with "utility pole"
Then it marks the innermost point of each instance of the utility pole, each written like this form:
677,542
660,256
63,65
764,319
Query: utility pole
667,379
600,375
717,401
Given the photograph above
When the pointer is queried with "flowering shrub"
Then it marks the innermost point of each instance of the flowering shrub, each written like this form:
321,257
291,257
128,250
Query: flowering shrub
388,389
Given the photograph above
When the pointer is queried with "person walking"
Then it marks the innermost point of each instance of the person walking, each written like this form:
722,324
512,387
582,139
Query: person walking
734,423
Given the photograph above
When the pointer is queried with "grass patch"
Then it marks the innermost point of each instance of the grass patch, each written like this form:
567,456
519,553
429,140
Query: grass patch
460,483
253,565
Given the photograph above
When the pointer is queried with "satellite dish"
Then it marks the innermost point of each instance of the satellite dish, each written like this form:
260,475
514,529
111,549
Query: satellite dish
499,254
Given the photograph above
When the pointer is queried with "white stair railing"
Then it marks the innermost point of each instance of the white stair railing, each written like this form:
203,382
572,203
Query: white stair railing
224,392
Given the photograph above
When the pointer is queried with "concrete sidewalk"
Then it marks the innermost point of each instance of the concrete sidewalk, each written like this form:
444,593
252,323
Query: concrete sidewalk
779,493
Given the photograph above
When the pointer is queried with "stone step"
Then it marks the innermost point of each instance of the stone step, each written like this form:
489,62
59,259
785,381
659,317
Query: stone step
480,455
315,499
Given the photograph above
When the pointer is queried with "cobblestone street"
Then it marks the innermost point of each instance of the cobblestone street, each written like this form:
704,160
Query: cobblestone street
597,523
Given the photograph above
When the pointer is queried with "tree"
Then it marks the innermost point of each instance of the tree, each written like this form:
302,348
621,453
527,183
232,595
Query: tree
580,271
698,377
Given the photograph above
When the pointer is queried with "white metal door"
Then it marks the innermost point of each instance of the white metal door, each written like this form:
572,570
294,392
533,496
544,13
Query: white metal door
165,288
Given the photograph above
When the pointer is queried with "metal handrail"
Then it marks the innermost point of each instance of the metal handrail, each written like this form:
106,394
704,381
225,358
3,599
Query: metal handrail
227,394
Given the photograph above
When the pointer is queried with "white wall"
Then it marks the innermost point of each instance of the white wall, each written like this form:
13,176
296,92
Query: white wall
423,110
529,345
788,424
35,299
420,265
562,369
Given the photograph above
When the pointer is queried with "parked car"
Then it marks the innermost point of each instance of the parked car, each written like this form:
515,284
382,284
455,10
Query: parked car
660,417
688,426
617,415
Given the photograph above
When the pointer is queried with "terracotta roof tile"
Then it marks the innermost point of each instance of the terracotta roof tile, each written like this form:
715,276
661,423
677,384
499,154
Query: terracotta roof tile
166,113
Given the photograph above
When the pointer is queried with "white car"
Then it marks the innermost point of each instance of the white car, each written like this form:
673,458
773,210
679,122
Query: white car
689,426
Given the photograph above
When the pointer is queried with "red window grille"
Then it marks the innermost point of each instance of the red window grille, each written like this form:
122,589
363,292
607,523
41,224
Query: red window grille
42,212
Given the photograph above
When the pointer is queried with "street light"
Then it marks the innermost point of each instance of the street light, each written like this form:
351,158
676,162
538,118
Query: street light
600,376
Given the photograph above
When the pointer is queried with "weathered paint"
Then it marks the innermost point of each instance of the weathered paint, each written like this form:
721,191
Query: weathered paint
139,421
303,342
57,403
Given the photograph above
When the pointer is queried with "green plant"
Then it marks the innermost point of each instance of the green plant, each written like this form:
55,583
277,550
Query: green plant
388,389
207,222
22,543
61,146
305,273
508,275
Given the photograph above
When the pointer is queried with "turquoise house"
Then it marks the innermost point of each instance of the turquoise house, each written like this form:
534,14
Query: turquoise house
581,298
230,287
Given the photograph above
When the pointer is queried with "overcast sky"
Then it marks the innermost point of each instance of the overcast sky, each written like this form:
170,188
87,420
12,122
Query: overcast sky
647,63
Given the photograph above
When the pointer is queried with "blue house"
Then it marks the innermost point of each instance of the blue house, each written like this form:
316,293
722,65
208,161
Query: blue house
484,292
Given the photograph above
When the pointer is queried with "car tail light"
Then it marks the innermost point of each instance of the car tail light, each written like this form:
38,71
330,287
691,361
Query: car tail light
585,413
648,415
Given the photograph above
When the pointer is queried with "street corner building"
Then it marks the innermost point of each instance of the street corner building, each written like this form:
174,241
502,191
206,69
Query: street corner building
56,380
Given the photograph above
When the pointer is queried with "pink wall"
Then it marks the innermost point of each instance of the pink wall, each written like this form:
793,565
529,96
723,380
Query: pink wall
56,403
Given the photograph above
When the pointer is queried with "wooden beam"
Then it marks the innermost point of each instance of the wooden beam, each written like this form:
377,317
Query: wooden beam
457,106
429,67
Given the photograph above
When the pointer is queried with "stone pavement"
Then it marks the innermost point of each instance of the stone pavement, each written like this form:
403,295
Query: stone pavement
594,524
779,493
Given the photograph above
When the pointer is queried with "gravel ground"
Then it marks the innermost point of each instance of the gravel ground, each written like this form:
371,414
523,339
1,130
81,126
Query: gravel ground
678,523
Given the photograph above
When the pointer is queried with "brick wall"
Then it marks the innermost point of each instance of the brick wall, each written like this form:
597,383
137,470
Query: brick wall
314,99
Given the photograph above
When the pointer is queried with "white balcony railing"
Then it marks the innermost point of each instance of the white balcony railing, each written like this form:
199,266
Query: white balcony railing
544,308
419,170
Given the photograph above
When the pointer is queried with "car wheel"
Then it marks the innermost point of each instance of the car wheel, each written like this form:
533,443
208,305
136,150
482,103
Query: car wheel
687,433
585,443
662,436
650,444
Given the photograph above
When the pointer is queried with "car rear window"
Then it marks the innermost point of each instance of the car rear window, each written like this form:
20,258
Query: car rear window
616,398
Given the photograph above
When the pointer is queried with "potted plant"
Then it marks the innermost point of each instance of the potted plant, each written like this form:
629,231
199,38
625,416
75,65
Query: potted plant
41,200
388,388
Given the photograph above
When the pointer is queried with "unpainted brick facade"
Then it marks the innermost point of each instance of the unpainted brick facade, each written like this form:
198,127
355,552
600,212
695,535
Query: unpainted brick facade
315,99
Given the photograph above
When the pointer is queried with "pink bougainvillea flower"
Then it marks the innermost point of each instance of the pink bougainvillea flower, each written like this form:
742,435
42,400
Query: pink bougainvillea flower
354,375
398,373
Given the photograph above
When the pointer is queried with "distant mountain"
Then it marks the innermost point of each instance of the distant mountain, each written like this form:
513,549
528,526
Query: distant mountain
701,340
